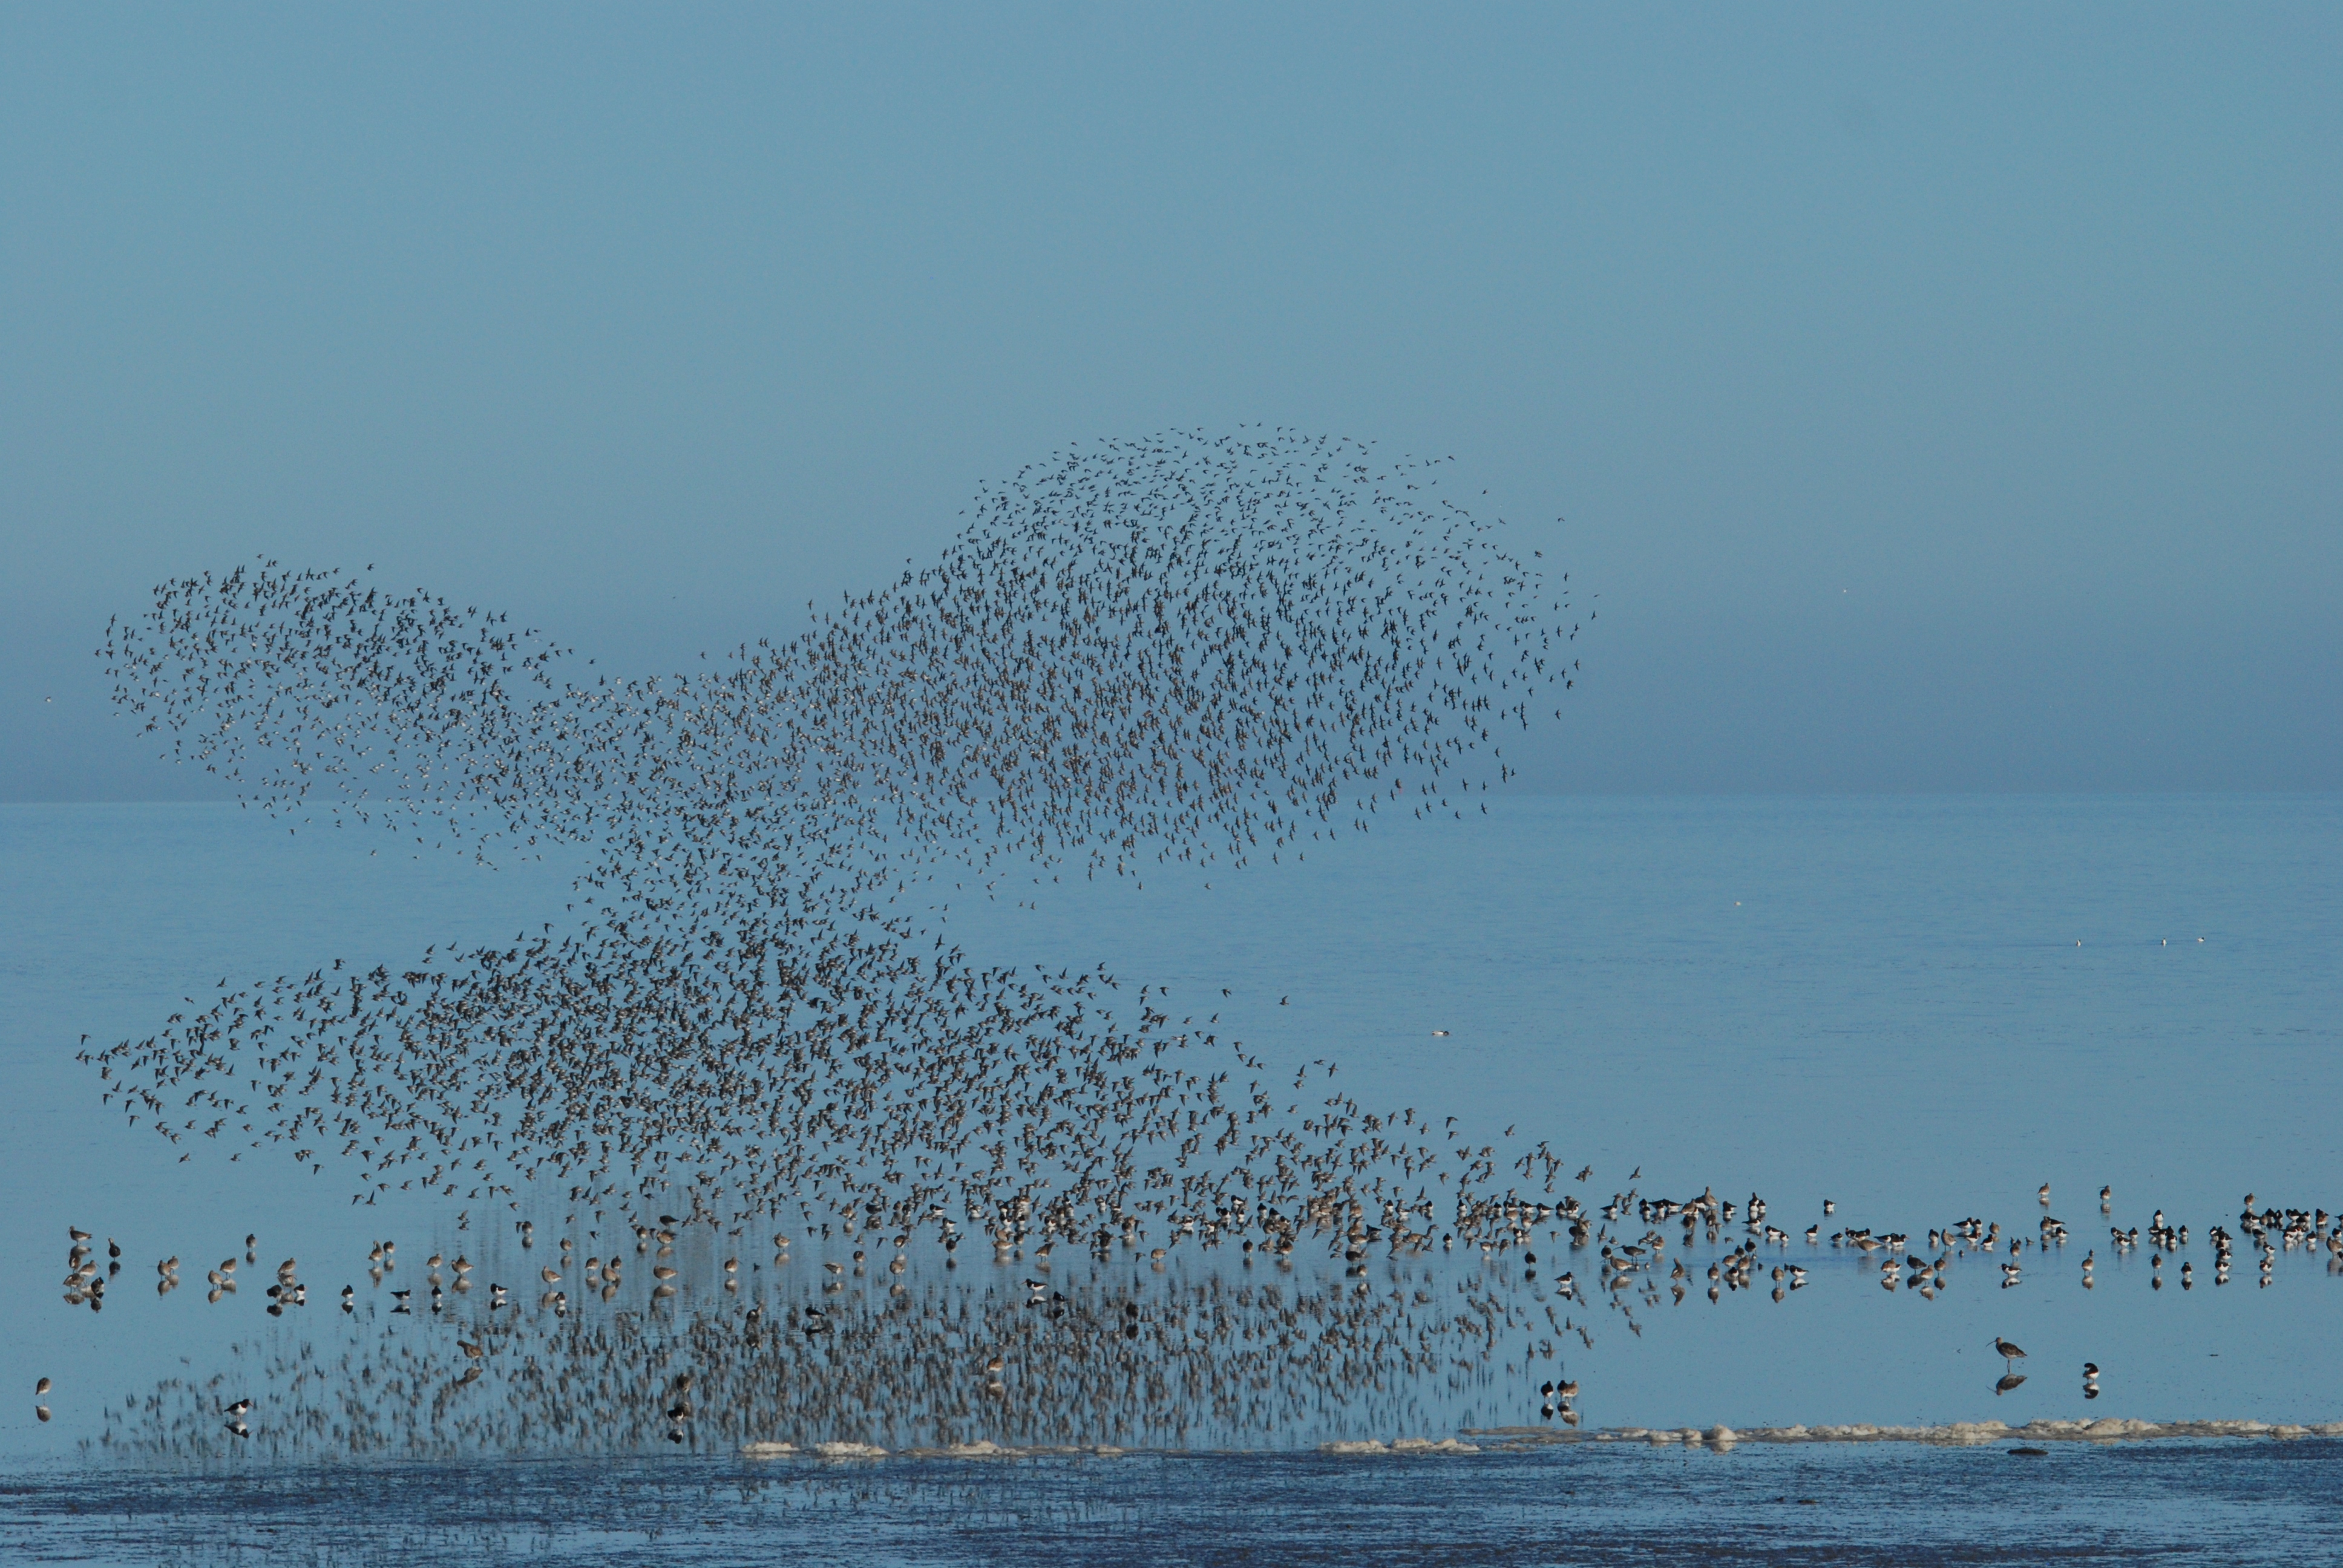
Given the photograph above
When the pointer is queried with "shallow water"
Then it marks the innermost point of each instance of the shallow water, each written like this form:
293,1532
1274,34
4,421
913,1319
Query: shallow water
1920,1009
2232,1503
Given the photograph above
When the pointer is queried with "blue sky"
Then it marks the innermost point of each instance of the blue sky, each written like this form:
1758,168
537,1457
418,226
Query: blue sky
1943,399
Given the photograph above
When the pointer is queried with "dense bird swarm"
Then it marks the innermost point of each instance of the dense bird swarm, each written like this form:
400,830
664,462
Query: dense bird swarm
1175,1364
1177,649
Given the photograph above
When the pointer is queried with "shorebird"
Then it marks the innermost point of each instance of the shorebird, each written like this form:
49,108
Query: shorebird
2009,1352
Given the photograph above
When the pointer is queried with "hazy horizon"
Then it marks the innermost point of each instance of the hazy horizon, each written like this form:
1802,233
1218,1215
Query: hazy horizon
1937,403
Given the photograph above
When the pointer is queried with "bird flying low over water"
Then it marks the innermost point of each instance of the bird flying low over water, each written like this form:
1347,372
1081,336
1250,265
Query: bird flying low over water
1181,650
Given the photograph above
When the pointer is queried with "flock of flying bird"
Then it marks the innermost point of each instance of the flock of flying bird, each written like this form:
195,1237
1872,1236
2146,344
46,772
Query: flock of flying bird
1182,648
1050,1348
1080,1357
1177,649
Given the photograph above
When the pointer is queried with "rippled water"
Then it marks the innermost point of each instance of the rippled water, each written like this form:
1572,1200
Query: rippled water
1592,1504
1922,1010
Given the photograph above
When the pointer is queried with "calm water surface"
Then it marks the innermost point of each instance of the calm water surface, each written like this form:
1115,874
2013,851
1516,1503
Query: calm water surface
1920,1009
